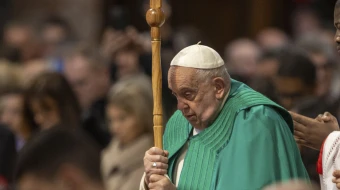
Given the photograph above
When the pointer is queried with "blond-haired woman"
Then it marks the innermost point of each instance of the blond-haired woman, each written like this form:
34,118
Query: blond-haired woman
129,112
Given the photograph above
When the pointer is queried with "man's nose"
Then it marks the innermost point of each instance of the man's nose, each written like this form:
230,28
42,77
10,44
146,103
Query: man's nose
181,105
337,38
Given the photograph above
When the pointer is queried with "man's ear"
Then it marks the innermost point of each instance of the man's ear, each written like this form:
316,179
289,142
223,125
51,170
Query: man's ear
220,87
71,177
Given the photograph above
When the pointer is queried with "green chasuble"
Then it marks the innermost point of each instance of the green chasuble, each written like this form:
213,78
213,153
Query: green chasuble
248,146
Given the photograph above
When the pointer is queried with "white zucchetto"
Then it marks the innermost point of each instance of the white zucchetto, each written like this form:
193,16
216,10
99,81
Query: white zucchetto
199,57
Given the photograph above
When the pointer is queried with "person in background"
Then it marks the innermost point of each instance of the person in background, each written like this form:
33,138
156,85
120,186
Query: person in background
59,159
272,38
129,112
241,56
322,133
305,20
296,78
11,114
267,64
127,62
11,102
49,101
266,70
296,86
322,56
88,73
56,35
55,31
21,42
7,157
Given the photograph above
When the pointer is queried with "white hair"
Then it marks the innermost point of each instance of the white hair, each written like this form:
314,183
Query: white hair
205,74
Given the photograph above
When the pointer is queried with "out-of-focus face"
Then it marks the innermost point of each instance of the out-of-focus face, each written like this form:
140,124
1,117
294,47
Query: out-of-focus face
290,90
52,35
123,125
31,182
67,178
127,63
11,111
272,38
324,73
84,80
267,68
199,101
305,21
337,26
16,36
45,115
241,58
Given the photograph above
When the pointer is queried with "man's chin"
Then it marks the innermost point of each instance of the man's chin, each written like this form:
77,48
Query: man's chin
196,125
193,124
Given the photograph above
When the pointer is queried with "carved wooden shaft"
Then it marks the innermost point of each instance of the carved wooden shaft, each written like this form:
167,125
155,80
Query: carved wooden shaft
155,18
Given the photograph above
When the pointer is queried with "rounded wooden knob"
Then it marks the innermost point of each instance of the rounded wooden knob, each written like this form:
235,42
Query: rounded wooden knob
155,17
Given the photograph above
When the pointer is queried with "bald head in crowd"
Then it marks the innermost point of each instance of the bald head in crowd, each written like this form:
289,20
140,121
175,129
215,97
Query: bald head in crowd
241,56
88,74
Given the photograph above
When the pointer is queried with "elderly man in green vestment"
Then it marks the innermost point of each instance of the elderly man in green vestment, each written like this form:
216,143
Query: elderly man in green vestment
224,134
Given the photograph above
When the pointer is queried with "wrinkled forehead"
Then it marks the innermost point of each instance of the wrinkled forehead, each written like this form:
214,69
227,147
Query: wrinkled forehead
182,76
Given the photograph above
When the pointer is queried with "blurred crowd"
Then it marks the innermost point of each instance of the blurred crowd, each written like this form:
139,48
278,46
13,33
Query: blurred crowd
49,79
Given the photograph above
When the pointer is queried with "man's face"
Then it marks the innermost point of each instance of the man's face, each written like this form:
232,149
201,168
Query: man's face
123,125
32,182
84,81
324,73
267,68
127,63
290,90
11,111
337,26
196,99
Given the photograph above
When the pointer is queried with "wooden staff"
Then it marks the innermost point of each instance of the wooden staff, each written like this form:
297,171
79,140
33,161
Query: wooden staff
155,18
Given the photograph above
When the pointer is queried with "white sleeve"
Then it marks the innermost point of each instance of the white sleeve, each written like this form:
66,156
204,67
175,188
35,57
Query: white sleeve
142,185
330,160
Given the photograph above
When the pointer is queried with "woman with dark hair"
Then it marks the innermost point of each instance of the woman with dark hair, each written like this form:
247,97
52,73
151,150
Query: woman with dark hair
49,101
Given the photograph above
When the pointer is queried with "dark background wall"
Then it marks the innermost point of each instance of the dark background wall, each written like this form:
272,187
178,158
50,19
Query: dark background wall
220,21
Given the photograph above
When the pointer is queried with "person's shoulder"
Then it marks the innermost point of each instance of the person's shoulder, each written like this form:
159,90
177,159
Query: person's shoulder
264,116
263,112
261,120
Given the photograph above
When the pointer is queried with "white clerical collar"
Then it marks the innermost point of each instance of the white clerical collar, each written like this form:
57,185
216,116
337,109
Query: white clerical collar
197,131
